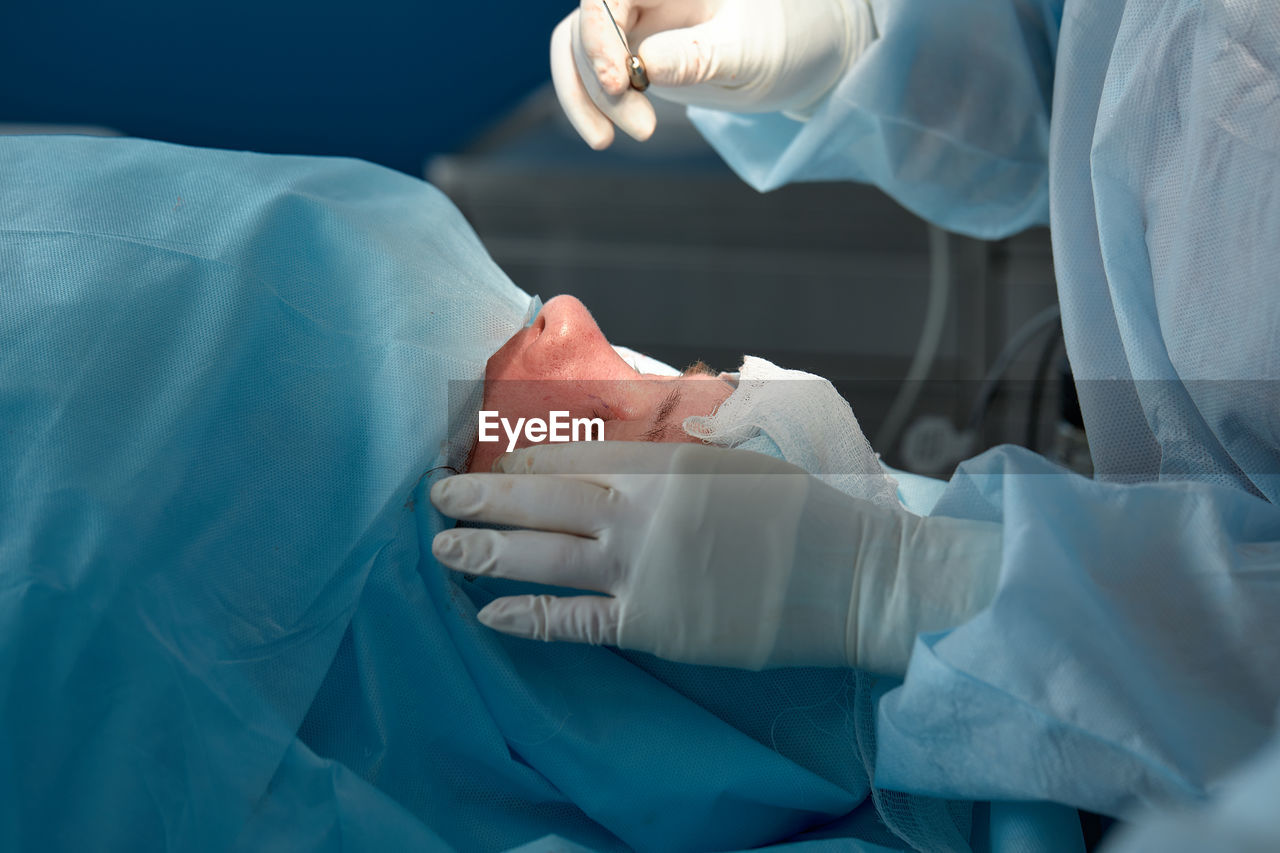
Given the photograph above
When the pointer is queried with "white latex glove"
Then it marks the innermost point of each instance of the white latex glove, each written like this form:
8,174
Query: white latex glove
712,556
738,55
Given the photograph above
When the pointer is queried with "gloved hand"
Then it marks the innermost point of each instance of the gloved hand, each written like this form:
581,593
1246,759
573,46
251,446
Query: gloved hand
738,55
712,556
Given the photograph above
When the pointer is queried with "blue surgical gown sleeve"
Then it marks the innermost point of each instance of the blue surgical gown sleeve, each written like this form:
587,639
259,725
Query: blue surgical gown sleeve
1129,655
947,111
1243,818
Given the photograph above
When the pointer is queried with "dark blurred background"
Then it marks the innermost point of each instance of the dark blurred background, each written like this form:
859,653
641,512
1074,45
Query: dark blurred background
392,81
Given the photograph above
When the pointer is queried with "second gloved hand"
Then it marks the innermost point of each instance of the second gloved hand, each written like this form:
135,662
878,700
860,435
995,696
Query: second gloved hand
738,55
712,556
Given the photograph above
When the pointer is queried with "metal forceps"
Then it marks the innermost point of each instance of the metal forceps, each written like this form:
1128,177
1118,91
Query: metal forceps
635,65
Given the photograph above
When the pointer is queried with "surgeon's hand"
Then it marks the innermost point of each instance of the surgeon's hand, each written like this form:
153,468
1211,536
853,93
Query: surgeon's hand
738,55
712,556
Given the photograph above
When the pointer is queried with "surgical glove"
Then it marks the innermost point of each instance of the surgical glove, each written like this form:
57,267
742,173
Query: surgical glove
737,55
712,556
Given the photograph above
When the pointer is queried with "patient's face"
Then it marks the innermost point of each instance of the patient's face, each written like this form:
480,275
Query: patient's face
563,363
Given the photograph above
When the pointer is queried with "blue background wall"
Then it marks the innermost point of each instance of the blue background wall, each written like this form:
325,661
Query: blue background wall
392,81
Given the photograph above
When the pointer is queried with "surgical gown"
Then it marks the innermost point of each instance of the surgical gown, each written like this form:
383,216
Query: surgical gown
227,382
1131,654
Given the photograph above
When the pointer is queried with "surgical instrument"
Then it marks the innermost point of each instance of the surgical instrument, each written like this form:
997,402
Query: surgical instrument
635,65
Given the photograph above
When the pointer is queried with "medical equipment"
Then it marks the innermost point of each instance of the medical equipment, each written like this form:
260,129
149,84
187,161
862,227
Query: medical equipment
933,445
635,65
940,286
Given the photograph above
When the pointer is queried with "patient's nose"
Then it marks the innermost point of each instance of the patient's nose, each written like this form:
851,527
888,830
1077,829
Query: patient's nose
566,315
567,334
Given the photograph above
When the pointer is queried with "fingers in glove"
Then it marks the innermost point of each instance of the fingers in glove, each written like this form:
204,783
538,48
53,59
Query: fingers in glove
582,619
600,45
646,17
556,559
686,57
625,107
557,504
592,125
593,461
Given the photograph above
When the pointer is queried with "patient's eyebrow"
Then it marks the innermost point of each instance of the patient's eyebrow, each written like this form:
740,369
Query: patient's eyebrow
662,417
698,368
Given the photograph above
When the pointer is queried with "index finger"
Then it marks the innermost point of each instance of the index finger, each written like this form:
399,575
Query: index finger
556,504
602,45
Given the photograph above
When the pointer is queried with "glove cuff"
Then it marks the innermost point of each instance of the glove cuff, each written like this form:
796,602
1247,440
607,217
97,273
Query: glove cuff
940,573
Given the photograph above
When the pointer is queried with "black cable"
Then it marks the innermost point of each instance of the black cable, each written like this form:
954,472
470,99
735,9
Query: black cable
1012,348
1041,380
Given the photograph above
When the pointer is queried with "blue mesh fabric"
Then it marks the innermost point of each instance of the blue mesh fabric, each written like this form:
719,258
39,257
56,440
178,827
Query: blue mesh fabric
225,387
